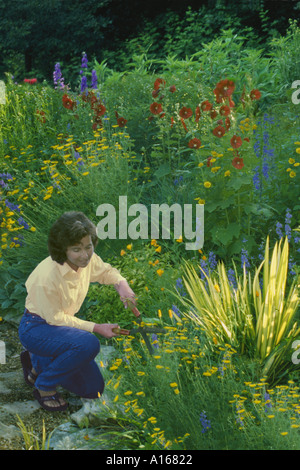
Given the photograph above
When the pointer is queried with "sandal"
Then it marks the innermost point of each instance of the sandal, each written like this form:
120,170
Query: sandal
27,368
56,397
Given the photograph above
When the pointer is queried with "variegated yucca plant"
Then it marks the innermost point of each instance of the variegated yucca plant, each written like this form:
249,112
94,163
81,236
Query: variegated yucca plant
257,317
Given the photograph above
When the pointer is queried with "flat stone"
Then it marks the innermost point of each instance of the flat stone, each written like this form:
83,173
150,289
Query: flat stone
4,389
9,432
20,407
68,436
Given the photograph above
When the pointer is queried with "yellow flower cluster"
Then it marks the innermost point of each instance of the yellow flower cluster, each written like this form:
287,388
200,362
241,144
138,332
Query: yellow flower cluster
293,163
260,401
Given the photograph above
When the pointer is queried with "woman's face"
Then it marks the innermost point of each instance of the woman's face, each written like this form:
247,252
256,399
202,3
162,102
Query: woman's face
78,256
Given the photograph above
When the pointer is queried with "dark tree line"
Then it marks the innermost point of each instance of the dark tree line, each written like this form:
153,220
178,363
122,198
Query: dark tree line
35,34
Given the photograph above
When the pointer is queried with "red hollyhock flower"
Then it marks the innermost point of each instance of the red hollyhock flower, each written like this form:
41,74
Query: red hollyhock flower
255,95
238,163
236,141
100,109
224,110
206,106
194,143
68,103
198,114
158,82
224,89
121,122
213,114
156,108
227,123
31,81
219,131
185,112
155,93
172,88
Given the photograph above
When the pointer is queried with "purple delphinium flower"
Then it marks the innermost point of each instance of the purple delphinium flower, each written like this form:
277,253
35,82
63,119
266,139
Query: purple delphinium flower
6,176
231,277
212,260
178,180
179,287
94,80
80,163
287,227
176,310
268,404
154,339
12,206
204,268
278,230
57,77
205,422
23,223
84,63
256,179
83,85
244,258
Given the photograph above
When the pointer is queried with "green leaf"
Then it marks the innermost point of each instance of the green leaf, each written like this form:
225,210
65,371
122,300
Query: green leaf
163,170
225,235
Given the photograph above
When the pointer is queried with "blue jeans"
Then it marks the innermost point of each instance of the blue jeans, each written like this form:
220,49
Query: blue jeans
63,356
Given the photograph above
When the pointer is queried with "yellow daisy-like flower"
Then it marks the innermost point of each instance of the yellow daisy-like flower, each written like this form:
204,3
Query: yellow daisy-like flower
215,169
227,173
207,184
160,272
298,149
292,174
291,161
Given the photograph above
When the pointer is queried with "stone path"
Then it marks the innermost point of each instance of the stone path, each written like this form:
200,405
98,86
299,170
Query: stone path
16,399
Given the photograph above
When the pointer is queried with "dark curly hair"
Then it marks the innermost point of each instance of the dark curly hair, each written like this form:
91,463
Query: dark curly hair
67,231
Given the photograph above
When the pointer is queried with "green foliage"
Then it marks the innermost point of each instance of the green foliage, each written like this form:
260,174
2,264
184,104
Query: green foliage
221,402
258,321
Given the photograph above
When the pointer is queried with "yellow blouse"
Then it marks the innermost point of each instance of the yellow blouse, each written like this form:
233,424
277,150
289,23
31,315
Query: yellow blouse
56,292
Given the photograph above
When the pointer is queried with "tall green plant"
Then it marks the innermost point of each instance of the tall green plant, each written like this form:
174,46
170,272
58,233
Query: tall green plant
259,321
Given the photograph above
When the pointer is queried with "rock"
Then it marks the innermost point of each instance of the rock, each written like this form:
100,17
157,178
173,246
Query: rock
68,436
19,407
9,432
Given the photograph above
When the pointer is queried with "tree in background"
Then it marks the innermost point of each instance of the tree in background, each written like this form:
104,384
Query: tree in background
34,35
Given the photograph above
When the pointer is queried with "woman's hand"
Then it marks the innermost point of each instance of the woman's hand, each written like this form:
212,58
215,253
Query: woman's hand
126,293
105,329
